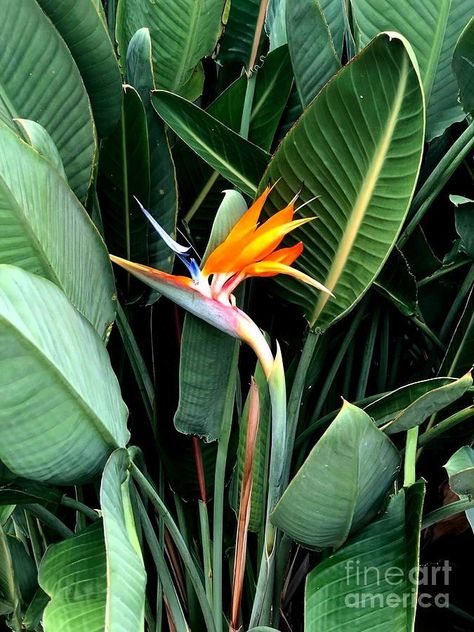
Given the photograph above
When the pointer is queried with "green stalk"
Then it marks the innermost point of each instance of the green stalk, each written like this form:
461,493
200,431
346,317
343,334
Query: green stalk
50,520
206,548
35,543
219,493
177,538
445,425
72,503
410,457
139,368
162,569
367,358
201,196
446,512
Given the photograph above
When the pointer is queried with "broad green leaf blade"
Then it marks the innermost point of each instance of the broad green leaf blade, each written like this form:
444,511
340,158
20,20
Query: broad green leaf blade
333,12
368,583
73,573
432,27
45,85
236,43
428,404
395,403
62,412
163,203
124,172
460,469
463,66
274,81
204,371
312,51
182,33
318,511
238,160
40,140
275,23
45,230
126,577
23,491
82,27
208,356
357,148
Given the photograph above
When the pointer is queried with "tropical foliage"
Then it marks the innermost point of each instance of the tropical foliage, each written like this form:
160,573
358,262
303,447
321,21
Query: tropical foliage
267,394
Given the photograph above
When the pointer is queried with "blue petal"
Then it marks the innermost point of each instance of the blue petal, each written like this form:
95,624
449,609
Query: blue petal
169,241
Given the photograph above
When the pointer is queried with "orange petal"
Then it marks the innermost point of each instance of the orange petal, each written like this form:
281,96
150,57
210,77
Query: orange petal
153,273
260,247
286,255
272,268
241,231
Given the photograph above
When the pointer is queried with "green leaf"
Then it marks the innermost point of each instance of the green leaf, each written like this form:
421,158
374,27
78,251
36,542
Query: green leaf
460,469
273,85
126,577
45,230
23,491
371,582
163,204
62,413
357,148
82,27
124,172
432,27
45,85
238,160
236,43
73,574
312,51
17,573
464,219
275,23
316,510
96,579
204,369
463,66
182,34
40,140
393,404
334,16
428,404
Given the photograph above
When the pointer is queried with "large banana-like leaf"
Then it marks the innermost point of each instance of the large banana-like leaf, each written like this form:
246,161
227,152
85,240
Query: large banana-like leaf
312,51
96,579
163,188
83,29
341,484
357,148
40,81
45,230
182,33
62,412
237,41
369,584
432,27
124,173
333,11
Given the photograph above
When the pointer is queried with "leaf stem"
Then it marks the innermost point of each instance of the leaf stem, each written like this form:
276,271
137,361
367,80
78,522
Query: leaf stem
175,534
410,457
